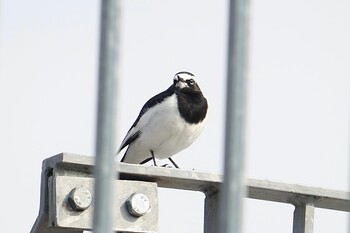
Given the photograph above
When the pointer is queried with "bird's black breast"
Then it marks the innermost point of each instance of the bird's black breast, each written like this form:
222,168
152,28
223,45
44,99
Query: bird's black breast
192,107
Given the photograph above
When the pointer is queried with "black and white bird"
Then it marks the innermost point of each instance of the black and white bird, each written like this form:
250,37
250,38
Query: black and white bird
168,122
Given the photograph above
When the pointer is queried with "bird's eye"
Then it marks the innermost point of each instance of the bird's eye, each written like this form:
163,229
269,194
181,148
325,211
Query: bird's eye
190,82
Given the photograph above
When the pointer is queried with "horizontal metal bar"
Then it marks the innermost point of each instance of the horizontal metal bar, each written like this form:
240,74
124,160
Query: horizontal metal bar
209,183
165,177
298,194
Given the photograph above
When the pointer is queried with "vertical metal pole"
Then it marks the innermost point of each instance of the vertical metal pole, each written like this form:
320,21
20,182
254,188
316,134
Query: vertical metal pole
303,221
233,189
211,212
106,117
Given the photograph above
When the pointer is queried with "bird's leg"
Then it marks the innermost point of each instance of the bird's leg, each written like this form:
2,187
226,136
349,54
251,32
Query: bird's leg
154,159
146,160
172,161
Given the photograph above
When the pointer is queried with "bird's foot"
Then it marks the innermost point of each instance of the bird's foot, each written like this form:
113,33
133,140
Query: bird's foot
166,165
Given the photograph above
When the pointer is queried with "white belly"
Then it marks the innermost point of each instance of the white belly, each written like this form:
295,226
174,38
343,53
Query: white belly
163,131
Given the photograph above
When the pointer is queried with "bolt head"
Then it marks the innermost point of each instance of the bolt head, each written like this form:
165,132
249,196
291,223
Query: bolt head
138,204
80,198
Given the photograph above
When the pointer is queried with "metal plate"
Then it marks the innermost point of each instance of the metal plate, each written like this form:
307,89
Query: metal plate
63,215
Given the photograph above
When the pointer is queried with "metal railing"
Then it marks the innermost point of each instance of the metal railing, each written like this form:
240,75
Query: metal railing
67,180
65,172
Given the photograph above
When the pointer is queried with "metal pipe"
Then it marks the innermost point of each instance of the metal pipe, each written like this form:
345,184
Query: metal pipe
106,117
233,189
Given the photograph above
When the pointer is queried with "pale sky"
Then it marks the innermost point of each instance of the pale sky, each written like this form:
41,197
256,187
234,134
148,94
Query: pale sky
298,96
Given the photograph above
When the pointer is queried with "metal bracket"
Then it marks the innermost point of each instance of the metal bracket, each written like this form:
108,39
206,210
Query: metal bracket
66,204
64,215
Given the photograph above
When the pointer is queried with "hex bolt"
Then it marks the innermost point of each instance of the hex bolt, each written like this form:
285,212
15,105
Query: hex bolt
138,204
80,199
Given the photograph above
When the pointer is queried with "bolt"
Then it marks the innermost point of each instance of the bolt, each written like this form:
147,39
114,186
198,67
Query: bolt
80,198
138,204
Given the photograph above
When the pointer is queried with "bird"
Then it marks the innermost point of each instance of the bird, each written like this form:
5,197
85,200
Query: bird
167,123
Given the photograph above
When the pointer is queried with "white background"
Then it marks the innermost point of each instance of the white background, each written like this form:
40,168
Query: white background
298,96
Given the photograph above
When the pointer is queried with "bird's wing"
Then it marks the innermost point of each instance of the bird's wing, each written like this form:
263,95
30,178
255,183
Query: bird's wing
129,138
135,131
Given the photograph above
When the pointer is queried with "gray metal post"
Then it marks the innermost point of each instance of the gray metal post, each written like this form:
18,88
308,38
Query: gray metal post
211,213
303,221
106,117
233,189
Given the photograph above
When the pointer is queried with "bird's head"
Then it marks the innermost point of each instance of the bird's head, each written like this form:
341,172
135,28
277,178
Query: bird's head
184,82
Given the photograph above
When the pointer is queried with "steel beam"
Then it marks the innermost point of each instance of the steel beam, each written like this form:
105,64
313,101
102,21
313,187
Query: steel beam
209,183
305,198
298,194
